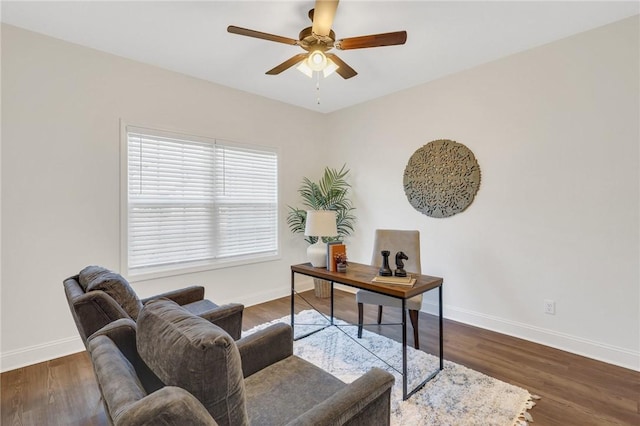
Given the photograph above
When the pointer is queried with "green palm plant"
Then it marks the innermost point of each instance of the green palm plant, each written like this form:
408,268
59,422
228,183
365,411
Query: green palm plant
330,193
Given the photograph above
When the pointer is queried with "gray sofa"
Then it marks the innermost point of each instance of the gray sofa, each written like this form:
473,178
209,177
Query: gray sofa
98,296
256,380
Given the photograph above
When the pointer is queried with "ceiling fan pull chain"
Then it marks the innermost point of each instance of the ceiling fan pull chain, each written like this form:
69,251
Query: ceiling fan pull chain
318,87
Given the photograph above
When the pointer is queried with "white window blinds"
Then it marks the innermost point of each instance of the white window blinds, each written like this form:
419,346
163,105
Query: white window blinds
198,202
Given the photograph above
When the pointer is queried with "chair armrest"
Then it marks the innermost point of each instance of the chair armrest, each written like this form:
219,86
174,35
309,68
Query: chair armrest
365,401
181,296
123,333
75,277
228,317
265,347
167,406
96,309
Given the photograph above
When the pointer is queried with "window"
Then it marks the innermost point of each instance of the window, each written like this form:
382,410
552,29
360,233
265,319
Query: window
194,202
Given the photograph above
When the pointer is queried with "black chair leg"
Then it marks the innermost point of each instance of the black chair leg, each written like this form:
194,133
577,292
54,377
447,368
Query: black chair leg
413,315
379,314
360,318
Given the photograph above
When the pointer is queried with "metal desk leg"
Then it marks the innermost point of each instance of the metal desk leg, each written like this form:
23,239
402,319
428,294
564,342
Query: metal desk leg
441,339
404,349
331,302
293,291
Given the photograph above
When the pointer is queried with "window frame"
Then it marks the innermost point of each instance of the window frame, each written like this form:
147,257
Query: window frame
196,266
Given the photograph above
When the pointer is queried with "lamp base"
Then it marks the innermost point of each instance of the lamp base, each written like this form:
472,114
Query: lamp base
317,254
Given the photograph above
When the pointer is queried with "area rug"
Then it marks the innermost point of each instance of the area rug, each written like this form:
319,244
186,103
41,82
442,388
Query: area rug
456,396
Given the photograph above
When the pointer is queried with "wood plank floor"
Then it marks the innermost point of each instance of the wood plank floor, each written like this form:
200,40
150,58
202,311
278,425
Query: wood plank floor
574,390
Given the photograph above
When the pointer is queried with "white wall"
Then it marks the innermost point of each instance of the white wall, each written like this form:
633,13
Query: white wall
556,133
60,177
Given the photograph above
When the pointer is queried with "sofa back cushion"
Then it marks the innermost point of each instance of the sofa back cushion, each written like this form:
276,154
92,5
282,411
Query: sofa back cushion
187,351
98,278
118,379
89,274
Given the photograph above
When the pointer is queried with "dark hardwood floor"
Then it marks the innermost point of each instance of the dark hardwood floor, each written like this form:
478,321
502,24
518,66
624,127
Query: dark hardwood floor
574,390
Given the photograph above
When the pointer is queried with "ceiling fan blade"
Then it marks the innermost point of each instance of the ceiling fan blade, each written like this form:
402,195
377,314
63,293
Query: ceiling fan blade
323,14
374,40
344,70
287,64
257,34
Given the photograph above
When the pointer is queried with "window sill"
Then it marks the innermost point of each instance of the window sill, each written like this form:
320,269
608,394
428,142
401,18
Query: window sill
171,271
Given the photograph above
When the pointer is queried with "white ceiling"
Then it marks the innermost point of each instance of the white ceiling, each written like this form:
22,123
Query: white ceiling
444,37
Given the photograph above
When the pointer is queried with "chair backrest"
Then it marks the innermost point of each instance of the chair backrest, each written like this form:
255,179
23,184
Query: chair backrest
395,241
189,352
131,393
94,278
97,297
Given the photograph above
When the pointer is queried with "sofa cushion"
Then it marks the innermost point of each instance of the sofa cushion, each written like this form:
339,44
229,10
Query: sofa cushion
200,307
114,284
187,351
117,378
270,391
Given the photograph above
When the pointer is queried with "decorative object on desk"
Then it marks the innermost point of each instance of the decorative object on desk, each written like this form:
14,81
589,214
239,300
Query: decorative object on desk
320,223
456,396
331,192
329,255
385,270
335,250
441,178
400,272
341,262
403,281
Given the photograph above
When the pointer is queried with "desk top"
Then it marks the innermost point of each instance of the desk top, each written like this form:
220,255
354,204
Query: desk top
360,276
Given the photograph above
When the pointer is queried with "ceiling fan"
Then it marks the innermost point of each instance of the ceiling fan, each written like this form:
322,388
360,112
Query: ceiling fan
318,39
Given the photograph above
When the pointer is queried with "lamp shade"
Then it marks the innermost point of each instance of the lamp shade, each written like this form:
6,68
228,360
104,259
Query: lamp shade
321,223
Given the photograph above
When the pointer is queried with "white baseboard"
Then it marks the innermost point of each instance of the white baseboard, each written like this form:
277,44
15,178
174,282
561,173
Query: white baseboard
302,284
596,350
40,353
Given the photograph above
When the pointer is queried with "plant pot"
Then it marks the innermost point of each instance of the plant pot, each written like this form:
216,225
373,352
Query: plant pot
341,267
322,288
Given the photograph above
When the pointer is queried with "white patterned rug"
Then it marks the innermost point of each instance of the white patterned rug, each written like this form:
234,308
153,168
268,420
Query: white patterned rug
456,396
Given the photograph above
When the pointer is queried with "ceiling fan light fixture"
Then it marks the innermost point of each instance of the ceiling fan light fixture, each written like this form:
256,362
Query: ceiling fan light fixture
317,61
330,68
304,69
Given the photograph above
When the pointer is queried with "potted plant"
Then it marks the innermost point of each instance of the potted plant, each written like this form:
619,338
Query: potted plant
329,193
341,262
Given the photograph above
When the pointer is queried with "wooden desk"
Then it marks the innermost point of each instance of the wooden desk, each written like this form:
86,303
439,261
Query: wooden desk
360,276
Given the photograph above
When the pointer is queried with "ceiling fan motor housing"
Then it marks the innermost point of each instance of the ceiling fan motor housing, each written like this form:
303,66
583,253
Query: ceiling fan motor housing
310,41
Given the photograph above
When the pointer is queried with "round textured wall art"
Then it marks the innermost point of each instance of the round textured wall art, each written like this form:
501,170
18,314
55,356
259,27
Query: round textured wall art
441,178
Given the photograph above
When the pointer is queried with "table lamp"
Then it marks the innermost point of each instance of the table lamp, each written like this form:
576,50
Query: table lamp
319,223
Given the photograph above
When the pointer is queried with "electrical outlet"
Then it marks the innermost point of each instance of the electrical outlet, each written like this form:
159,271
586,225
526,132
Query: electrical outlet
549,307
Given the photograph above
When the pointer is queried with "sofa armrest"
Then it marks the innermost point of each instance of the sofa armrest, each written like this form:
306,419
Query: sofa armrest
94,310
167,406
181,296
123,333
75,277
265,347
365,401
228,317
